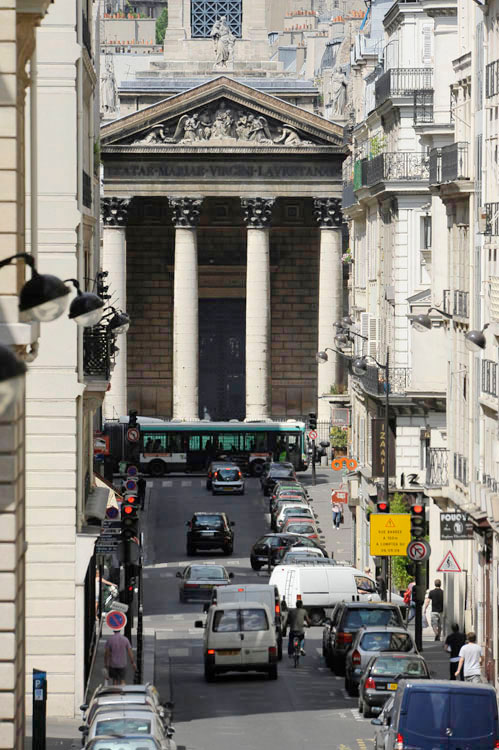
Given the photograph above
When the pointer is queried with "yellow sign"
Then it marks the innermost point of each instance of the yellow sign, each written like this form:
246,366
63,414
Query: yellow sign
390,533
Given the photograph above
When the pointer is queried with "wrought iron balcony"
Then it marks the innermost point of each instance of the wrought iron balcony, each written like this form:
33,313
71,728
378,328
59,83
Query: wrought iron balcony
373,382
423,106
461,468
85,34
402,82
435,166
492,219
348,196
397,166
449,163
87,190
437,472
97,343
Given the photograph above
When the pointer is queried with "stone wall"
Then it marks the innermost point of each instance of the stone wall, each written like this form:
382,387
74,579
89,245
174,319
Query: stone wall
222,274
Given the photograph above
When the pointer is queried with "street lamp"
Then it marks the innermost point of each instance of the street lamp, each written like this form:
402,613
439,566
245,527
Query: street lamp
321,357
43,297
475,341
86,309
422,322
119,323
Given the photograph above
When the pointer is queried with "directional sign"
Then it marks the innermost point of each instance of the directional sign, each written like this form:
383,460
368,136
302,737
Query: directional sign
390,533
116,620
418,550
312,435
110,527
449,564
132,434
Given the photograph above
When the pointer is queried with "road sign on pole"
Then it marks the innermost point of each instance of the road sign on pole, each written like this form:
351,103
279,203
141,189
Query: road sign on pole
418,550
390,534
133,434
116,620
449,564
312,435
132,471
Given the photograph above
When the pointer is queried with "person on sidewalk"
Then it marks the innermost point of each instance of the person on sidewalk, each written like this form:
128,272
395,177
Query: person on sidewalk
470,660
337,512
436,597
115,657
409,601
453,644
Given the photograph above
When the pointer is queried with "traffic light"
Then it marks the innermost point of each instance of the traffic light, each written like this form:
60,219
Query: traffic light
129,518
132,418
382,506
418,519
312,421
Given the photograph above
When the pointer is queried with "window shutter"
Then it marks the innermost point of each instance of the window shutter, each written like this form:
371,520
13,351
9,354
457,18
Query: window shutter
364,330
373,337
427,38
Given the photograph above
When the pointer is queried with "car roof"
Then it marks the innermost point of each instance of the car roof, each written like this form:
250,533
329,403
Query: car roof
446,685
398,655
124,714
369,605
209,513
382,628
140,698
110,689
224,463
242,605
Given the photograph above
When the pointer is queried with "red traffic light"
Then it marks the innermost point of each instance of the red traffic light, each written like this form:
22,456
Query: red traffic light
128,509
417,509
382,507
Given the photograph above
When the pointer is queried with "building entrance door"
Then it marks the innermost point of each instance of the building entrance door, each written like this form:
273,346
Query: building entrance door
222,380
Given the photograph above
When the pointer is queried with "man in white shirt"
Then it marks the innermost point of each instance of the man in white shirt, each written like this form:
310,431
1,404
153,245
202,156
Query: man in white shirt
470,660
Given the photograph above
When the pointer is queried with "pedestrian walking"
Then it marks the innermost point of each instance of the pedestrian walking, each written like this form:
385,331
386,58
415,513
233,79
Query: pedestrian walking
115,657
409,601
436,597
470,660
337,512
453,644
141,491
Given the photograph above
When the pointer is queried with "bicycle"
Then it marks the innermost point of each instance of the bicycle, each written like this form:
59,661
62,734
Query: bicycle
297,649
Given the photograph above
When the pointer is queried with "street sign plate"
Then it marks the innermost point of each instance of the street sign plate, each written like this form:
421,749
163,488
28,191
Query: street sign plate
312,435
339,496
449,564
390,533
456,526
132,471
131,485
120,607
112,512
132,435
116,620
418,550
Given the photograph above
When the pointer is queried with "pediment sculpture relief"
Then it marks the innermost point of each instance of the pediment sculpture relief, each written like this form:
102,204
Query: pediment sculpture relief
223,124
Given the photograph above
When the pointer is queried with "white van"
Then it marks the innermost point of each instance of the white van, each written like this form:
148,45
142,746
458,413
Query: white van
254,592
239,637
322,586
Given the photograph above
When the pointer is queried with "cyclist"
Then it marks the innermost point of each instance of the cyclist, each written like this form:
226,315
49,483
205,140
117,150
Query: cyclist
297,618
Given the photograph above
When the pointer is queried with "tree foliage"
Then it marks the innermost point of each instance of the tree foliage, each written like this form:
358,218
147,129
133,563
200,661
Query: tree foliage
400,574
161,24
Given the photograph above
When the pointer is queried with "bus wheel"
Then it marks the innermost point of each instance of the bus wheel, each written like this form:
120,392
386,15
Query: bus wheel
257,468
157,468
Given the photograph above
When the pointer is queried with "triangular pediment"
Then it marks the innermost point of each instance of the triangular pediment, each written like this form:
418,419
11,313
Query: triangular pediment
222,114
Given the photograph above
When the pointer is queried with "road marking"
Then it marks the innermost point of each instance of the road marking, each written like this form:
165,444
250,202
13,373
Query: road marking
167,483
149,484
186,483
178,652
167,575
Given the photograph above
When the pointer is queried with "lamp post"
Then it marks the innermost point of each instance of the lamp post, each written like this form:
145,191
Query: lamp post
359,368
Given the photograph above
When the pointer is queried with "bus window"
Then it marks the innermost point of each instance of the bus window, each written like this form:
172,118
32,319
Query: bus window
194,443
293,443
154,444
260,442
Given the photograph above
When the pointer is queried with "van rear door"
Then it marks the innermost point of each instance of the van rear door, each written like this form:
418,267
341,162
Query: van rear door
257,635
225,637
473,720
424,720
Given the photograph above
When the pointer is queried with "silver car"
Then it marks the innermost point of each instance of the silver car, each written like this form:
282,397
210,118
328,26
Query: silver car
373,641
227,478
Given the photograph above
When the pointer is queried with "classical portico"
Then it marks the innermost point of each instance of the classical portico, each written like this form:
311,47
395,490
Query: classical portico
231,253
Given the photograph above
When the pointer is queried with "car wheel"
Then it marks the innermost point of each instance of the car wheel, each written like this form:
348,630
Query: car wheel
181,597
272,672
279,649
208,485
255,565
157,468
327,659
242,492
366,711
316,616
360,705
351,688
338,667
256,469
209,673
213,493
190,550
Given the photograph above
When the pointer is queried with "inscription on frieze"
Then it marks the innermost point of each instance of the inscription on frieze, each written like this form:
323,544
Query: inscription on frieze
236,170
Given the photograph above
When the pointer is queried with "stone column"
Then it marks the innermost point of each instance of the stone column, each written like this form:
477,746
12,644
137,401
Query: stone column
258,212
114,218
328,214
185,309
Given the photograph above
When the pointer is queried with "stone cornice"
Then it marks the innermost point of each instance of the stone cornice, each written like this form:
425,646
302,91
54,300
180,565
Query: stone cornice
241,94
197,150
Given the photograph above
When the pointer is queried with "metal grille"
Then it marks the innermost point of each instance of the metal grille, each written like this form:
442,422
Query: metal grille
437,467
97,352
204,13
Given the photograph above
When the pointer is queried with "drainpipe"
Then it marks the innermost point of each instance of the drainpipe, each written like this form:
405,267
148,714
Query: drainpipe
33,157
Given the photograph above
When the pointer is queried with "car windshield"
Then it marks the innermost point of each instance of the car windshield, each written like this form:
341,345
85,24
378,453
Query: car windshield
301,528
123,726
282,473
405,666
297,512
122,743
211,572
236,620
386,641
208,521
227,475
382,616
303,556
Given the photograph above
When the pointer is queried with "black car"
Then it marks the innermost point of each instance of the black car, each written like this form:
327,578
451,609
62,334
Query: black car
210,530
276,472
381,677
347,618
277,544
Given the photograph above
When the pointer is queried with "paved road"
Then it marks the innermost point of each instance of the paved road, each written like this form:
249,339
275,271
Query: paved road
305,708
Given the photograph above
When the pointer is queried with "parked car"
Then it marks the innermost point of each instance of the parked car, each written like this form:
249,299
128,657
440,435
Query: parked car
227,479
278,544
346,619
297,511
284,500
289,492
226,627
212,468
381,677
198,581
369,642
383,724
147,689
298,526
296,555
429,714
123,743
210,530
119,702
132,724
276,471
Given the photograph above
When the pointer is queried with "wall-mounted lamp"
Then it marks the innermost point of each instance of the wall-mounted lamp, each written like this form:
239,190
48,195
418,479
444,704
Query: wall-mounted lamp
422,322
86,309
475,341
44,297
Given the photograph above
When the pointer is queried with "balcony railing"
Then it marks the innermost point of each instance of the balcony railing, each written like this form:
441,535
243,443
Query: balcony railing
348,196
87,190
85,34
402,82
97,352
492,219
437,473
435,166
449,163
492,79
461,468
489,377
398,165
423,106
374,383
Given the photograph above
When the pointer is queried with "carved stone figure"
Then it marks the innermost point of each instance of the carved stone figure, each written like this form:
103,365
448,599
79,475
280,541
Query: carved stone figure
223,42
289,137
109,97
338,92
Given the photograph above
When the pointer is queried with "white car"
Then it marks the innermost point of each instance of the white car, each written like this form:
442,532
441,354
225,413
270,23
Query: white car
296,555
120,701
227,478
292,509
130,723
